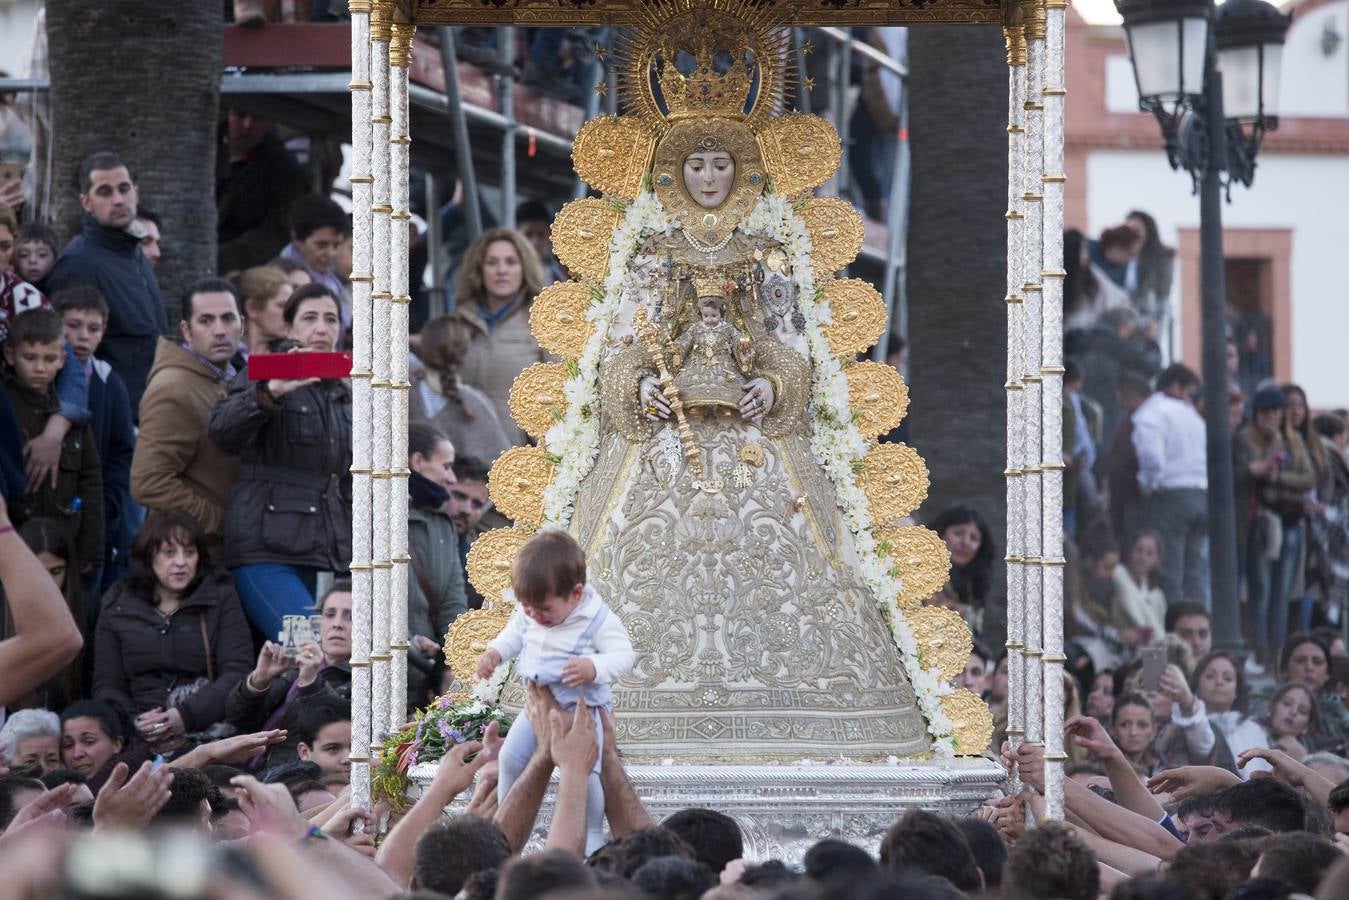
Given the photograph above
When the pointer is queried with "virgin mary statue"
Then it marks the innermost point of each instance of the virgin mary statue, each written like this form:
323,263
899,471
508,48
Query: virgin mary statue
709,438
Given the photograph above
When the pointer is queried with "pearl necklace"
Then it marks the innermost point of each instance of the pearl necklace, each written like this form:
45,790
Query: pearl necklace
707,248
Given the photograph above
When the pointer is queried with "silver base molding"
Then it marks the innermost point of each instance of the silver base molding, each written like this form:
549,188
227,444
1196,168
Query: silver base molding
784,809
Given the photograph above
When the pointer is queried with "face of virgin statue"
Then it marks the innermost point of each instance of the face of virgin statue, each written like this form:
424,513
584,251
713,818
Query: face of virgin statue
708,176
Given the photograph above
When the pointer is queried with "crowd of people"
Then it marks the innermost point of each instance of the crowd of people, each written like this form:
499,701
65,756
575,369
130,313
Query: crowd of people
176,632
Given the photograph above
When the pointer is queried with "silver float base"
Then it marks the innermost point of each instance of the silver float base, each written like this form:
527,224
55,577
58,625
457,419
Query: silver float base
784,810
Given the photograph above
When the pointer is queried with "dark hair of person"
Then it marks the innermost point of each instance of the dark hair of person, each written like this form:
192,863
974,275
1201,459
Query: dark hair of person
1313,444
10,787
1177,611
549,564
982,652
1329,425
79,295
832,858
221,774
165,527
210,285
444,344
1261,888
339,586
44,535
188,788
316,714
971,581
112,720
1073,370
38,233
1079,285
470,468
1130,383
1199,804
57,777
1051,861
926,843
1118,236
1264,801
527,877
1156,539
715,837
990,853
768,874
1338,800
1242,701
1177,375
532,211
1298,858
1152,886
674,878
633,850
314,211
424,438
149,215
103,161
1296,640
304,294
1130,699
481,885
298,789
36,326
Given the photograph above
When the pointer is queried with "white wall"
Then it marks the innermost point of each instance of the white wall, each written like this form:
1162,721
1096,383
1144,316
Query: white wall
1303,193
1316,83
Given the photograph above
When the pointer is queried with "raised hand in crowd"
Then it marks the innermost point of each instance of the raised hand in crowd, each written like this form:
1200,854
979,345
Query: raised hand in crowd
271,663
231,750
1174,686
575,749
425,646
309,659
130,804
53,801
1184,782
1290,770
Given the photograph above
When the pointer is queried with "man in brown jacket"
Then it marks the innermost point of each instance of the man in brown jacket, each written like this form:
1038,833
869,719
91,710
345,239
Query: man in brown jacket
176,466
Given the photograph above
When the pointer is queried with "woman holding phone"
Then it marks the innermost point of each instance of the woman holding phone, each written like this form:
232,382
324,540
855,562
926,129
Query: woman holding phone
289,515
272,695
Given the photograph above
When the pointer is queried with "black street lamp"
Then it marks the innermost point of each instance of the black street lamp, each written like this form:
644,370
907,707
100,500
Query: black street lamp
1182,52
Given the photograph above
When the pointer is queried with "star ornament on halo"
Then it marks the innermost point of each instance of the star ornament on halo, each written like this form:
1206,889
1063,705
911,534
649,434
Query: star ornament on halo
602,88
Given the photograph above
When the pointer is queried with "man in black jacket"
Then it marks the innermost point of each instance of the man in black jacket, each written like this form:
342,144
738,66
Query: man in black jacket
254,194
108,256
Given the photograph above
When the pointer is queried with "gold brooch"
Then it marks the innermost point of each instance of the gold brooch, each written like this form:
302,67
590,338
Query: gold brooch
895,481
469,635
859,316
517,482
491,557
879,396
972,722
557,317
752,454
536,400
944,640
920,560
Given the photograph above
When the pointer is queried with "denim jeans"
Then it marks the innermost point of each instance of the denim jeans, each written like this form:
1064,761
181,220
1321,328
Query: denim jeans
1271,585
270,591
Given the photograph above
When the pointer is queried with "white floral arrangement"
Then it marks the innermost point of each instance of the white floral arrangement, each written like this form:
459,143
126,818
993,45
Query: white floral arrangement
836,442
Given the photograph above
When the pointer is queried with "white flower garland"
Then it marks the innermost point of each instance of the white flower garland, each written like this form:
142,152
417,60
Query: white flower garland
575,440
839,447
836,442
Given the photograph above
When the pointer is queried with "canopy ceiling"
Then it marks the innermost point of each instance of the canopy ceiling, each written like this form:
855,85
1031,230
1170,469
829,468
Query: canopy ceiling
627,12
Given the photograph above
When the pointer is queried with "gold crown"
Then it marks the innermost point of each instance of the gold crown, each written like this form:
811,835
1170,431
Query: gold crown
710,286
705,72
692,59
